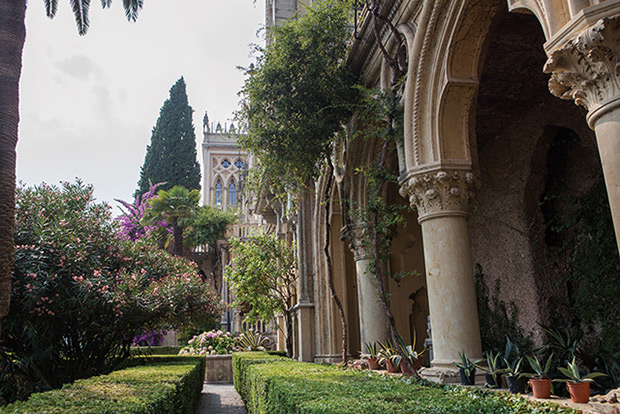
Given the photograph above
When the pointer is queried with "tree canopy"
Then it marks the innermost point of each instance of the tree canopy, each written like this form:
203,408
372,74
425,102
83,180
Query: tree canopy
299,93
171,156
262,277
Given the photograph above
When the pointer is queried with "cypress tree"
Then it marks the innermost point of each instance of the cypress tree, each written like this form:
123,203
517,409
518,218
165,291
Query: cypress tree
171,156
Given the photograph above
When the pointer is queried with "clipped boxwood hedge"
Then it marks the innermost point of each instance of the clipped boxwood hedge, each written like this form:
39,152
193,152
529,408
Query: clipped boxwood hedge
156,350
164,384
274,385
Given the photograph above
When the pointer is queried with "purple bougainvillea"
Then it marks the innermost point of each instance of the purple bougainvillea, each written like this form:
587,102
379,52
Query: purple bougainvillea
131,227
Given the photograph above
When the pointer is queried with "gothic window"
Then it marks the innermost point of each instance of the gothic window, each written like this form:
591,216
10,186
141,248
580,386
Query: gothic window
225,163
232,193
239,163
218,192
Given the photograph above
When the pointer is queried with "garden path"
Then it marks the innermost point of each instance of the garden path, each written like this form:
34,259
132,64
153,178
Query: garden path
220,399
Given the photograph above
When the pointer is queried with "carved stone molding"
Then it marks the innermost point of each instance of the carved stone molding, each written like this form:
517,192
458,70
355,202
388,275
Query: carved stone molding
440,193
586,69
355,234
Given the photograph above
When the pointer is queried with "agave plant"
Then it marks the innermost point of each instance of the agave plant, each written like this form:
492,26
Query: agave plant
467,365
373,349
388,353
540,371
409,350
573,375
252,341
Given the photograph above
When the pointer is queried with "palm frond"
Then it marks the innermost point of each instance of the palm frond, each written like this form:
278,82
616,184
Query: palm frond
106,3
80,11
51,7
132,8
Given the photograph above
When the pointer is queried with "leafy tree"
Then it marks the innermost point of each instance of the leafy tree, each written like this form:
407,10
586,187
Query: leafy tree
13,33
262,277
80,294
299,93
295,99
171,156
175,207
208,226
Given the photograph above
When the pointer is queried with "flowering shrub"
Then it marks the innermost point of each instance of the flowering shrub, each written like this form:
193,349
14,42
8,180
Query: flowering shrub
131,226
149,338
79,295
210,343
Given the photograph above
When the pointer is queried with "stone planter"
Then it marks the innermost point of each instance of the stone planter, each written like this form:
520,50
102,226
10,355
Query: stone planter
219,369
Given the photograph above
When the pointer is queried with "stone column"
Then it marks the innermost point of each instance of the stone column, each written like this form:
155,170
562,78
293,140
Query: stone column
304,309
373,322
441,197
586,68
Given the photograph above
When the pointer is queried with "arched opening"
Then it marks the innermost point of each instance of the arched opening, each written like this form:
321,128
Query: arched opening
526,143
232,193
218,192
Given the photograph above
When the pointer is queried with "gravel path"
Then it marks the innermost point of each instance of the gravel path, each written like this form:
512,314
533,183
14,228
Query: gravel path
220,399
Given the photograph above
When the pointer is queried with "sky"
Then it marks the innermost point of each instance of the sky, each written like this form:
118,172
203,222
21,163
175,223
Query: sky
88,104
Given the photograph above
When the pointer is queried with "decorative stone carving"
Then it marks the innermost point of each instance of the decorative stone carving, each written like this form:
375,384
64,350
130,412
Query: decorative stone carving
355,235
586,69
440,193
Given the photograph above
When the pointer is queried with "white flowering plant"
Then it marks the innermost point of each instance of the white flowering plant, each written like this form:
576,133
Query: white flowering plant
210,343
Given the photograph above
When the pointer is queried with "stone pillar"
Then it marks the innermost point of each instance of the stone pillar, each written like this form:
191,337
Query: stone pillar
373,322
586,68
441,197
304,309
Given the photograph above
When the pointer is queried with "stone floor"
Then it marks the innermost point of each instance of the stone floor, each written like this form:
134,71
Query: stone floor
220,399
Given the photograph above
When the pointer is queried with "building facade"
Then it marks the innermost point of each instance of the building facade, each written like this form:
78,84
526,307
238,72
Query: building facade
486,144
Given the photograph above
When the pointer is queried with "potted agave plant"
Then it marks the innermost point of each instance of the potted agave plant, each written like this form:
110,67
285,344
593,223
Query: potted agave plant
411,355
539,380
578,386
467,369
492,370
390,357
373,356
513,375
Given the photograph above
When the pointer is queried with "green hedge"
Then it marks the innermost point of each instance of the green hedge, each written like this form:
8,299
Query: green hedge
274,385
160,385
156,350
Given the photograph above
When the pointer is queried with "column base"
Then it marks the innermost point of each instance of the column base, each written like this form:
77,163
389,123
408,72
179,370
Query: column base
447,375
304,313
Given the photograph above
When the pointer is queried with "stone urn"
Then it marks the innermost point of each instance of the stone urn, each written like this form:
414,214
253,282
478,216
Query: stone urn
219,369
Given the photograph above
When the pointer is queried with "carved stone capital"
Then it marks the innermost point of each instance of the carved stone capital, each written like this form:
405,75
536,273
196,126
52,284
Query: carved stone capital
357,236
586,69
440,193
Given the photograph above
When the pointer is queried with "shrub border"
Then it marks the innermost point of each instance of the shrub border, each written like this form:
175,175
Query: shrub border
163,392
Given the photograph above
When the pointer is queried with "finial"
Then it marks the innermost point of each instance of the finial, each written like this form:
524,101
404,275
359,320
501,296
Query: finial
205,123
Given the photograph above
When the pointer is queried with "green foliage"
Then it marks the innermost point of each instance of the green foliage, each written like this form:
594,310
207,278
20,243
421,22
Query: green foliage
163,386
155,350
572,373
273,385
209,225
466,364
252,341
298,94
540,370
262,275
498,320
171,156
79,295
594,265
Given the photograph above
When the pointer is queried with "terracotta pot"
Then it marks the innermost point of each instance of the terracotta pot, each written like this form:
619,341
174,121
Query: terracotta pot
467,380
373,364
405,370
391,369
541,387
579,391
